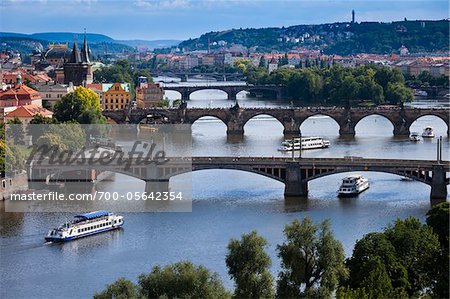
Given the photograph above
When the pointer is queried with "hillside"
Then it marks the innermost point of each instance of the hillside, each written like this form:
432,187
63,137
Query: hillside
336,38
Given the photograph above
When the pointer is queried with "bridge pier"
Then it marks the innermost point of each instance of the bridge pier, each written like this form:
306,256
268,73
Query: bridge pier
295,185
185,96
291,128
156,186
235,128
438,183
347,130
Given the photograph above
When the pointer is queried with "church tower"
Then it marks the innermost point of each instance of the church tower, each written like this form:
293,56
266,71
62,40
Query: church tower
78,69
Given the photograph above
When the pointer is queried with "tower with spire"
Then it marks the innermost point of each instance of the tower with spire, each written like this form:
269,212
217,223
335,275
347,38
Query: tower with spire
78,69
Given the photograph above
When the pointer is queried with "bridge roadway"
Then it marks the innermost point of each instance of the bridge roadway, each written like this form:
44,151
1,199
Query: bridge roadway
274,91
295,174
236,117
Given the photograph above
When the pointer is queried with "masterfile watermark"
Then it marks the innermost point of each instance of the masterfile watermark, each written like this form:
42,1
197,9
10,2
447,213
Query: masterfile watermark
65,163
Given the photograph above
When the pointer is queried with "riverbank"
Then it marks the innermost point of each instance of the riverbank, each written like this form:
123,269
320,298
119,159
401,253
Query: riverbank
11,185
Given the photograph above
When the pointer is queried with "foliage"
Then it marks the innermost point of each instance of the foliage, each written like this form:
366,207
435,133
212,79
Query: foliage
336,85
248,265
438,220
82,105
122,72
120,289
163,103
179,280
11,158
312,261
426,79
51,140
15,131
396,263
182,280
337,38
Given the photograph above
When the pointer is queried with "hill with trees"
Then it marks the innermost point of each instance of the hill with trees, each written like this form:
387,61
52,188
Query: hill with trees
335,38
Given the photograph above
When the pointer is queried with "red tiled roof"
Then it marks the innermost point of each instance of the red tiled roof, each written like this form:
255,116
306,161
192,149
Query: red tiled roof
29,111
21,92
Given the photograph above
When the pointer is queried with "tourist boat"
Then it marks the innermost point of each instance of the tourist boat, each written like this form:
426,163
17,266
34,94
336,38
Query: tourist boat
306,143
420,93
84,225
428,132
353,185
415,136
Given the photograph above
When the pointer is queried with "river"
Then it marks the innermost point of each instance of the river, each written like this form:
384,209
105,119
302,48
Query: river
226,204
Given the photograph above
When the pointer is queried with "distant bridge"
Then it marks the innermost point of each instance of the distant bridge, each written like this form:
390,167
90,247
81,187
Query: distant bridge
184,76
295,174
235,118
273,91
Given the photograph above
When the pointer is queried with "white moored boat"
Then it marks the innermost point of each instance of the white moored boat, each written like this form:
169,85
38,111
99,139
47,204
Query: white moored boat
306,143
428,132
353,185
85,225
415,136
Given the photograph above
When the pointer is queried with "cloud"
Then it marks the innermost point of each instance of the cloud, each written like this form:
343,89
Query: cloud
163,4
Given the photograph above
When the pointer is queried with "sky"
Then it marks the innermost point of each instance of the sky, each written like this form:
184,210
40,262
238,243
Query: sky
183,19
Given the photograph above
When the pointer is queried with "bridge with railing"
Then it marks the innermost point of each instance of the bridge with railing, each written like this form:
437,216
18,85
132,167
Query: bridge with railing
291,118
294,173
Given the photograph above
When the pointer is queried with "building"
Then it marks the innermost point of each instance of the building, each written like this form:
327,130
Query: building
273,65
149,95
78,69
403,51
25,113
20,95
51,92
98,89
117,97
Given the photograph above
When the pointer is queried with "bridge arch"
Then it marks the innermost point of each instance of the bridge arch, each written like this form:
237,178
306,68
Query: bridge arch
277,176
416,126
279,120
212,115
223,93
305,122
424,178
371,115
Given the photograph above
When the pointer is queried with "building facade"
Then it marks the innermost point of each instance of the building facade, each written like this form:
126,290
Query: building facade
117,97
149,95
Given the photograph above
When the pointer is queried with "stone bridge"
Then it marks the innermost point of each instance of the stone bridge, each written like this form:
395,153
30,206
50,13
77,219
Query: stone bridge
184,76
295,174
235,118
274,91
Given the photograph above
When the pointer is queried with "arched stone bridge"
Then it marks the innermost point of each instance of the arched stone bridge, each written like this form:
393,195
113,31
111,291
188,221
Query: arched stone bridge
275,91
235,118
294,174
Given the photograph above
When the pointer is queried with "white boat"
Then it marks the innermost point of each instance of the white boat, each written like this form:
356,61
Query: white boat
414,136
306,143
353,185
84,225
428,132
420,93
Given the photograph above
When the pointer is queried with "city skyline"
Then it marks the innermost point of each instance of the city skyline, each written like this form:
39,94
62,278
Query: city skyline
184,19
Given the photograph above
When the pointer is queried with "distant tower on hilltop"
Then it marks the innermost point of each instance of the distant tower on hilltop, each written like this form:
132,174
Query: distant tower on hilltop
353,16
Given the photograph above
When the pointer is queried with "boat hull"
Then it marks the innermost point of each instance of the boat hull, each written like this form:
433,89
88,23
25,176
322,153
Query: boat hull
352,194
66,239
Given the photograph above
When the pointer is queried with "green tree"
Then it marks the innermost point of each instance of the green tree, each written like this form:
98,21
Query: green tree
120,289
248,265
15,131
82,105
262,62
52,141
312,261
182,280
397,93
438,220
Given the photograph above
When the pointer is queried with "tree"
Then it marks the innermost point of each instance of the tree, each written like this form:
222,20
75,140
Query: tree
15,131
312,261
248,265
398,262
397,93
182,280
120,289
262,62
438,220
81,105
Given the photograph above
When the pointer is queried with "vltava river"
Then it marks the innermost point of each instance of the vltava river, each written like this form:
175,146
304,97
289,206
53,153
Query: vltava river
226,204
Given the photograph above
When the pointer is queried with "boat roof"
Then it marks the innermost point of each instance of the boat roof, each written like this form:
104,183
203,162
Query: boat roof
92,215
353,176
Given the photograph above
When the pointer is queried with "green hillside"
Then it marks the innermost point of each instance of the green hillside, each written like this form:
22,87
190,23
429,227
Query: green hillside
336,38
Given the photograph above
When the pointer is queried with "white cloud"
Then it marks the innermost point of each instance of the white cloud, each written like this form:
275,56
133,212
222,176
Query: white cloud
163,4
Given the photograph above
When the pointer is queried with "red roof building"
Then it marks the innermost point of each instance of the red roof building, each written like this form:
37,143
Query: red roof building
20,95
25,113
